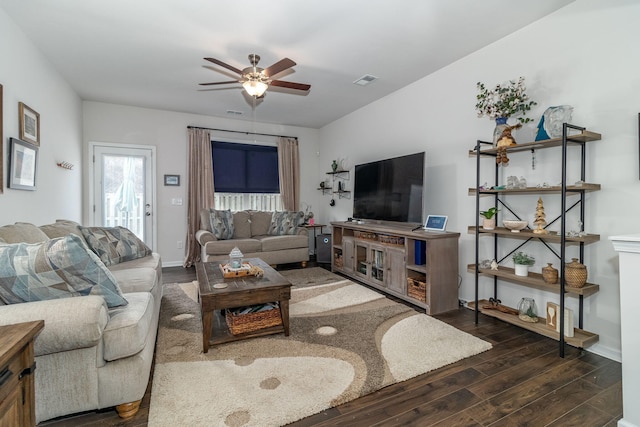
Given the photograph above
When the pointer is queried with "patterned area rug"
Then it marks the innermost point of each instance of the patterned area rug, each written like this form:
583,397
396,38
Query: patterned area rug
346,341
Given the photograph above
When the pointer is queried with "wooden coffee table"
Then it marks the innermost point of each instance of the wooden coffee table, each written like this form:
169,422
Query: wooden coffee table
240,292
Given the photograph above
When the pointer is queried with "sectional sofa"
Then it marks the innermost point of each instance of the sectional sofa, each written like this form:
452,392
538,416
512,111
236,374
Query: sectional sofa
98,291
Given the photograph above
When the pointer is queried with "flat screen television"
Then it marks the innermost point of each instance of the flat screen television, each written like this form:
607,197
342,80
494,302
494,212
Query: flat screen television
390,189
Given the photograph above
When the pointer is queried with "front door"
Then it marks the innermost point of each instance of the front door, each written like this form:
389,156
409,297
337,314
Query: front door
123,188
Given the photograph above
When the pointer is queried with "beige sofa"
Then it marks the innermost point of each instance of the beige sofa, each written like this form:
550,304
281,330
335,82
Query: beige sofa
256,236
89,356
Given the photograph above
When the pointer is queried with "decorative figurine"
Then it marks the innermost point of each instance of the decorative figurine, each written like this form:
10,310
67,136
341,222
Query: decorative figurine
539,219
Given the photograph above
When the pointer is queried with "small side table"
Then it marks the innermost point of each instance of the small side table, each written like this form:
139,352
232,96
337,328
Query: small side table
315,227
17,390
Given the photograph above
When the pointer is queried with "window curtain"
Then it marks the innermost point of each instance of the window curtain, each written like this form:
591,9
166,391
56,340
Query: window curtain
289,172
200,190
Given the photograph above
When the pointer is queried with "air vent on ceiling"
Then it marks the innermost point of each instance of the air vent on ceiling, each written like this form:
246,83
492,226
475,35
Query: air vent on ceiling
365,80
234,112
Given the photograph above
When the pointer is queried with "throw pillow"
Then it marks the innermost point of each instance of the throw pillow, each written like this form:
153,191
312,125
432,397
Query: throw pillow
22,232
57,268
61,228
285,222
114,245
260,222
221,224
242,225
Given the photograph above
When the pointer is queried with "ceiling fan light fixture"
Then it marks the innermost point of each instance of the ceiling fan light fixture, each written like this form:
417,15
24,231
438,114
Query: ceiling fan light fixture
255,87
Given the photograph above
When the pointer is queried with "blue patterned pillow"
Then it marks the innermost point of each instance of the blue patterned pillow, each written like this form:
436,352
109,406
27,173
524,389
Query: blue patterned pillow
222,224
57,268
285,222
114,244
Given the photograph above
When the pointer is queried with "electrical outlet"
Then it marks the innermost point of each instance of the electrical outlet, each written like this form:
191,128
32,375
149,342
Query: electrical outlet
179,244
462,302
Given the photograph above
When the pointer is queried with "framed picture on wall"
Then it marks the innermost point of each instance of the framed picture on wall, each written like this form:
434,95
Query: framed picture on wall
172,180
29,124
23,162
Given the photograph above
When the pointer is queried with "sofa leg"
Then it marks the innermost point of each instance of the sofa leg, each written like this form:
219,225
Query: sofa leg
304,264
128,410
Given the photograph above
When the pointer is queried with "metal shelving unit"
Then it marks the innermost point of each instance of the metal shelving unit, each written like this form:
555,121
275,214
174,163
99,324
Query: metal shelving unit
534,280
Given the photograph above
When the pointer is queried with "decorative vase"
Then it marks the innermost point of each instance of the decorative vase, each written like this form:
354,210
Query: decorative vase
521,270
575,274
550,274
334,166
489,224
501,125
527,310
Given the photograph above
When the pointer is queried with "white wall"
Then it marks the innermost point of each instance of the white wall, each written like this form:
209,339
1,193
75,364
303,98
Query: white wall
27,77
167,131
583,55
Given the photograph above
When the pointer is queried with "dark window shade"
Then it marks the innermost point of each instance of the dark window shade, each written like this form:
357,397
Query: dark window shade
245,168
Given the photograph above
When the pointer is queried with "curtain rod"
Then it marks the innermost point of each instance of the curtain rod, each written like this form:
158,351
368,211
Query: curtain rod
238,131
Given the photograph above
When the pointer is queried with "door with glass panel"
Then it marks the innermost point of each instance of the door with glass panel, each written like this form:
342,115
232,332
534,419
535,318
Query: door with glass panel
123,189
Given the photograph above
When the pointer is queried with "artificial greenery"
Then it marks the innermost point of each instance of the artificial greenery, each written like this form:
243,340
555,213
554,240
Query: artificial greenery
523,259
504,101
489,213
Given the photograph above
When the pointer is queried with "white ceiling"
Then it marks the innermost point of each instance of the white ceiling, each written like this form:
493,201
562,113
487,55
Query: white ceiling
149,53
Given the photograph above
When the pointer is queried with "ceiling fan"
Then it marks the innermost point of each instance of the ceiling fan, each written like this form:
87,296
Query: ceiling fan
256,80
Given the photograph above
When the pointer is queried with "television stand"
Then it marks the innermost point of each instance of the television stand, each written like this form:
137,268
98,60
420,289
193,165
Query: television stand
417,266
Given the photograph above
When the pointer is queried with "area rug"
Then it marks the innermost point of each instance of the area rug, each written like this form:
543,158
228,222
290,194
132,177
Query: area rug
346,341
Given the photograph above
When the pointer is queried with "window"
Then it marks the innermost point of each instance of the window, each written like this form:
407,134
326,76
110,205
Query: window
246,176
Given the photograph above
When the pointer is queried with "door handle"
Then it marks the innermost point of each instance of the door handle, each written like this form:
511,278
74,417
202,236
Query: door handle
147,213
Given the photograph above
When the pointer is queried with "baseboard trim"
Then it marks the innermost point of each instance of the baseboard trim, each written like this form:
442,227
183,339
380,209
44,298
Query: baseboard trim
624,423
172,264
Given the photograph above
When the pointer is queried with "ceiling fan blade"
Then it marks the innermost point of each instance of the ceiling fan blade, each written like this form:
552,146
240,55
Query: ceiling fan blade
219,83
278,67
225,65
290,85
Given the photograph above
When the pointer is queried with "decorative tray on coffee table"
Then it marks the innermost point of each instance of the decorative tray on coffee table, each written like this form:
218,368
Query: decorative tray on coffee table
247,269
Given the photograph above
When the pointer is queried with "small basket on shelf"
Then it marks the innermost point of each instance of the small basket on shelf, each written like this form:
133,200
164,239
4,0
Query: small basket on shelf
417,288
364,235
337,260
390,240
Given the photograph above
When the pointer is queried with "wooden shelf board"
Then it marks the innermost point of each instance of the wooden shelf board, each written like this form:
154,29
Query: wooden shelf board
534,280
586,187
527,234
585,136
581,338
418,268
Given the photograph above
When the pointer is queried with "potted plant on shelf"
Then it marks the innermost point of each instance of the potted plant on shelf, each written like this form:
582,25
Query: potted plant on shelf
489,221
522,262
503,101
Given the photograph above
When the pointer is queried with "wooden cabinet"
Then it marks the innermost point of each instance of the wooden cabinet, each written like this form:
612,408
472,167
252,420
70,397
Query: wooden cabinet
571,195
17,399
381,264
391,258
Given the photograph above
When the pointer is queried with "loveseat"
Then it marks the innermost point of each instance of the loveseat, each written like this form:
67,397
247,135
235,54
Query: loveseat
98,291
274,237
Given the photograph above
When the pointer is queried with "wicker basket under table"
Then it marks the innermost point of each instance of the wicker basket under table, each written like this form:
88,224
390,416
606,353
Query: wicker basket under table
243,323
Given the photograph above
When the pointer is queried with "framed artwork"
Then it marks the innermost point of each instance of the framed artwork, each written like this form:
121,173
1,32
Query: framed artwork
172,180
1,145
23,162
29,124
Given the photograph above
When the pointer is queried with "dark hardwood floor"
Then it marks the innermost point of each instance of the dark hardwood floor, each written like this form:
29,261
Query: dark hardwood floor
520,382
